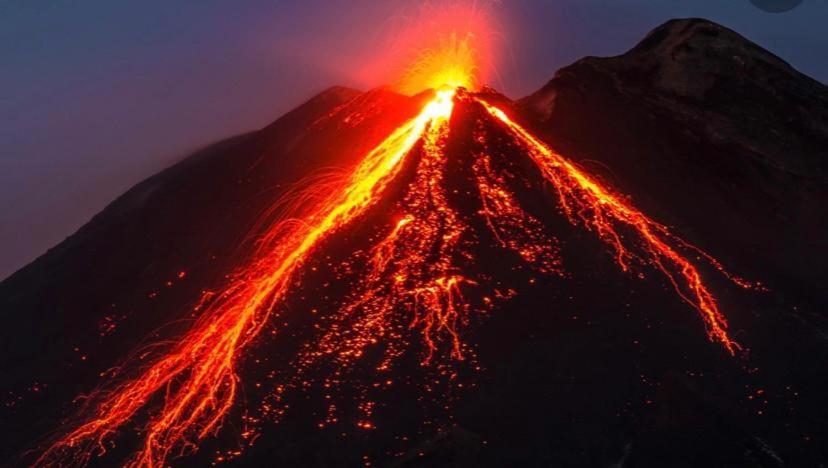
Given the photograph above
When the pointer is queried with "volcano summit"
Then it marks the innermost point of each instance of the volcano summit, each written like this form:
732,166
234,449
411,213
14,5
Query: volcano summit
469,292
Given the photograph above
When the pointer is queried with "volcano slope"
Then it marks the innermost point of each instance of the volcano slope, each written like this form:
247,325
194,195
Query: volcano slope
481,310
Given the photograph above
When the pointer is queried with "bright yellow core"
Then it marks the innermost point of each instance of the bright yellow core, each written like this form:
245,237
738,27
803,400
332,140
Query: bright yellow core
450,65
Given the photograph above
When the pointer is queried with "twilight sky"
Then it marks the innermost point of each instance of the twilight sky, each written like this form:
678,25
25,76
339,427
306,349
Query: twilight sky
98,95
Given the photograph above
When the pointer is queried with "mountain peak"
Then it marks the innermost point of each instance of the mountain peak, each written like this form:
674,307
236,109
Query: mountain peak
694,38
688,56
704,75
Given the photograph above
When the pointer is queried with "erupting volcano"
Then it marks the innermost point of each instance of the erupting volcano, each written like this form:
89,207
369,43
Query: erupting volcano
416,272
351,288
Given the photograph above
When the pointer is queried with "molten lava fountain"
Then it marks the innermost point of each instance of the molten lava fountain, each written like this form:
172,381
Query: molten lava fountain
412,286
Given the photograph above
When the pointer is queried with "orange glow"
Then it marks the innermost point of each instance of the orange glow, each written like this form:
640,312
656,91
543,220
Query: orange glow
452,64
448,43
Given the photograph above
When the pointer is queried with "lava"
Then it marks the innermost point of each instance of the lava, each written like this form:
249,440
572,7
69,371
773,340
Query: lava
413,286
413,267
511,226
411,282
197,378
583,199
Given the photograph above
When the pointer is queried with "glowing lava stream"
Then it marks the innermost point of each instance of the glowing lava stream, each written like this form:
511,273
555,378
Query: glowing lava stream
197,379
583,198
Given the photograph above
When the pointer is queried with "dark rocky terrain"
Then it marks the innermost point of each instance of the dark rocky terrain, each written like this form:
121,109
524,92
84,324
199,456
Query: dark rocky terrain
705,131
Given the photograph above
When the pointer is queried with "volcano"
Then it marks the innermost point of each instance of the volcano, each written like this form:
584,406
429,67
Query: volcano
625,268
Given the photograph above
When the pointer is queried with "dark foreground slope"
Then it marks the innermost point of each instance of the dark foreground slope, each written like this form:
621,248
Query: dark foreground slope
592,367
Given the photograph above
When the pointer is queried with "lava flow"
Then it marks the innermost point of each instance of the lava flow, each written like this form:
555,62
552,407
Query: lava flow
413,286
197,378
583,199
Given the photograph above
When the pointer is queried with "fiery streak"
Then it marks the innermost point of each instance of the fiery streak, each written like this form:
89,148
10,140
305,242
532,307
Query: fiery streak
585,200
414,266
411,273
197,378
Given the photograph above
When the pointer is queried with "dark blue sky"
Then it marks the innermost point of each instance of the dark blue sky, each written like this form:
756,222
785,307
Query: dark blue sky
97,95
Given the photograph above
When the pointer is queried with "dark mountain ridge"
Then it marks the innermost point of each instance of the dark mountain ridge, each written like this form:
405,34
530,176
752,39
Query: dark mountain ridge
696,102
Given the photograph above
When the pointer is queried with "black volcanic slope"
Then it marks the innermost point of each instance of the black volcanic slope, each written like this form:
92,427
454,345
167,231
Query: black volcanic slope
707,132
